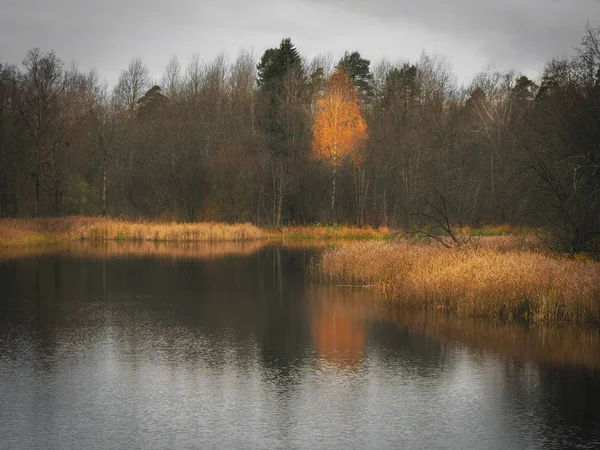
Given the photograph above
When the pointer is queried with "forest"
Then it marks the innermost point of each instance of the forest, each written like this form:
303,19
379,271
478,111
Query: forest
286,140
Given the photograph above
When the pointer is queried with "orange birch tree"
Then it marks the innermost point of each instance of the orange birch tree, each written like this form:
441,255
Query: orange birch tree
339,126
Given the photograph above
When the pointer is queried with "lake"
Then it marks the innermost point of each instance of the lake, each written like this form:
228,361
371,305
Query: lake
231,346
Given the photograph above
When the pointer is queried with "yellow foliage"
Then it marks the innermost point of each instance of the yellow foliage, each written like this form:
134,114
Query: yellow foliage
339,126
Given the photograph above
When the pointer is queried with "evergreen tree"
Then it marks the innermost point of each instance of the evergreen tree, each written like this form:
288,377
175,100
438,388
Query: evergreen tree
400,85
359,72
275,62
524,89
151,102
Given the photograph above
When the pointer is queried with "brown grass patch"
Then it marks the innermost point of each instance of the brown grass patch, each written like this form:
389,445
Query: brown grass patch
474,281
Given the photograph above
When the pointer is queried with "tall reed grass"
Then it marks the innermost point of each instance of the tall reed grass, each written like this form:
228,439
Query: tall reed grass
469,281
23,232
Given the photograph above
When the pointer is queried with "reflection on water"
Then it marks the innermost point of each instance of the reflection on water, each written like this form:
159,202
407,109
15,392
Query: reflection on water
338,328
236,349
558,344
142,249
161,250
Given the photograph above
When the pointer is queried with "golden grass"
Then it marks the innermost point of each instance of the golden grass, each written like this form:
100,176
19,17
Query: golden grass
331,232
474,281
27,232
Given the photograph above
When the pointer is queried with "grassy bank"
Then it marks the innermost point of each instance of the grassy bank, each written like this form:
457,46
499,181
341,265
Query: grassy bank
331,233
42,231
45,231
474,281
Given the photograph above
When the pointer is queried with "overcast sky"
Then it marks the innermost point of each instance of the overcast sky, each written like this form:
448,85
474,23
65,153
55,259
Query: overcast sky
107,34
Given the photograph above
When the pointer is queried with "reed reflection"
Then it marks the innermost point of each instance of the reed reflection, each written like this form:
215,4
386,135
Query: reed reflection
555,344
341,317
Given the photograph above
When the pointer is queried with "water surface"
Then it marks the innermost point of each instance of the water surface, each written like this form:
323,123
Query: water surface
231,347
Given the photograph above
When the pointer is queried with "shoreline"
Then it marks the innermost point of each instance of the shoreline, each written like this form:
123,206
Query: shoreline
495,274
40,232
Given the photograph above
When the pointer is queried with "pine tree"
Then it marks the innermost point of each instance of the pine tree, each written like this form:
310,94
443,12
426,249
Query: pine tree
359,72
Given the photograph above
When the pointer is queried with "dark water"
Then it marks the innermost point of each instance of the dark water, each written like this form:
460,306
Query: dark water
240,351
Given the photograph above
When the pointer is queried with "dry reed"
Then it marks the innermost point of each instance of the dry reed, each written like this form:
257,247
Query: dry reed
473,281
23,232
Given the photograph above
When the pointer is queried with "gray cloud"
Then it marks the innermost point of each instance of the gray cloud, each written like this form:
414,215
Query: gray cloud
107,34
516,31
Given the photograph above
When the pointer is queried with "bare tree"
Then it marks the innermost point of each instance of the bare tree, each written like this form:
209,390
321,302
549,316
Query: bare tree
40,114
12,181
104,119
588,56
492,104
194,77
172,81
132,85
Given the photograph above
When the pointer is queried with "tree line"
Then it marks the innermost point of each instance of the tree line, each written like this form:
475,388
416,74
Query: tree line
246,140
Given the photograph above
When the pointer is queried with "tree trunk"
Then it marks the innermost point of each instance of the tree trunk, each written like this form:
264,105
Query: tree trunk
122,194
257,220
104,190
55,182
360,187
332,216
279,186
56,197
36,204
492,173
385,217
